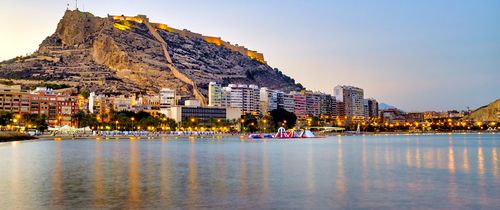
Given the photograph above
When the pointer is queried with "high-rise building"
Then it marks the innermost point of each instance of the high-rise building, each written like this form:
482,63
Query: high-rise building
244,97
313,103
286,102
300,103
353,100
327,105
268,100
214,94
370,108
167,98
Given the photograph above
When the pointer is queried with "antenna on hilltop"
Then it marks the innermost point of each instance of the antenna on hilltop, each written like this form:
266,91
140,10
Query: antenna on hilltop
76,4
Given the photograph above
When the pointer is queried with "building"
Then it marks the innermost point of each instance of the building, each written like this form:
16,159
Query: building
215,94
393,115
244,97
12,99
313,103
340,111
201,115
92,101
286,101
167,98
327,105
148,102
300,103
122,103
251,99
58,108
353,99
192,103
370,108
268,100
413,117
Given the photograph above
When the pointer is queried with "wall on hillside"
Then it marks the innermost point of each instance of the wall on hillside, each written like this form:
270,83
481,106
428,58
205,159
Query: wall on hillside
210,39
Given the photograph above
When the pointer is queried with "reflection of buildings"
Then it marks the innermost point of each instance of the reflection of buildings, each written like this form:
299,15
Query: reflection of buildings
134,190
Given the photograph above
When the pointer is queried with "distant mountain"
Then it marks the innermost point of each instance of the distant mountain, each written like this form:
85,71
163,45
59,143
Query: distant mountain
490,112
128,54
383,106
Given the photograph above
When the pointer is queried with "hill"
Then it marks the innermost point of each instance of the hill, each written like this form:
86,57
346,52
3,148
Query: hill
121,55
488,113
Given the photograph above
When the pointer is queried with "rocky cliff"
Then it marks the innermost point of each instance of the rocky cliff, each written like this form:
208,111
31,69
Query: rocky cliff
488,113
122,55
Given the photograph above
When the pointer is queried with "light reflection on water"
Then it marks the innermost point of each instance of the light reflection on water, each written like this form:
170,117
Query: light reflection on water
379,172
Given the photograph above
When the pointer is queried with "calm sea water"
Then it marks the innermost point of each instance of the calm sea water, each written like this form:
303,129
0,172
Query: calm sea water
355,172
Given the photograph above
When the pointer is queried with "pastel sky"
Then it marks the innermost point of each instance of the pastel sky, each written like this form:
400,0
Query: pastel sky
417,55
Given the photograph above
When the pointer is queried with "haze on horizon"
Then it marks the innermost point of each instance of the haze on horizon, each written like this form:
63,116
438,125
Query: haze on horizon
418,56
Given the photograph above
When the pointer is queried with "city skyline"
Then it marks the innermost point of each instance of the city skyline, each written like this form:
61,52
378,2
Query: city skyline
417,56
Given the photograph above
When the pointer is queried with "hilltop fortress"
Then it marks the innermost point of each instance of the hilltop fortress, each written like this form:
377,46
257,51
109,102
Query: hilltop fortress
143,19
128,55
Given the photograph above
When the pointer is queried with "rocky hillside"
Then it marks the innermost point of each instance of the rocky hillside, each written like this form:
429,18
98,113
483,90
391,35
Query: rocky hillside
122,55
488,113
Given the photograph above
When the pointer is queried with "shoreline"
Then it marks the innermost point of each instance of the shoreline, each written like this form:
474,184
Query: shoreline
15,136
9,136
240,135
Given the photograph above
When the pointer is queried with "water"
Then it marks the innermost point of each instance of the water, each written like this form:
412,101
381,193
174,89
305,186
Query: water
362,172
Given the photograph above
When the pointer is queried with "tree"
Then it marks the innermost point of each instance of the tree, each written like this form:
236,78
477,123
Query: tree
85,119
172,124
85,94
5,118
79,116
250,123
41,123
281,117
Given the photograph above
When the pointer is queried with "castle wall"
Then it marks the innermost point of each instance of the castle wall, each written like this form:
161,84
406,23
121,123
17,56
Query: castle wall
213,40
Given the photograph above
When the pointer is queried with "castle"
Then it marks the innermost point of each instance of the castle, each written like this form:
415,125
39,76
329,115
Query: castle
213,40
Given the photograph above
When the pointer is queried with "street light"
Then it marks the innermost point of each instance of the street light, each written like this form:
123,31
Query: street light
241,127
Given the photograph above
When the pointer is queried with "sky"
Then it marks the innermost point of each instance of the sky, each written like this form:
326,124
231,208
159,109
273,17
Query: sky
416,55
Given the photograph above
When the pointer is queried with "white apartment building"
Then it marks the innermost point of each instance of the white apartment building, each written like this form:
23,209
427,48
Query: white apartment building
167,98
244,97
268,100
